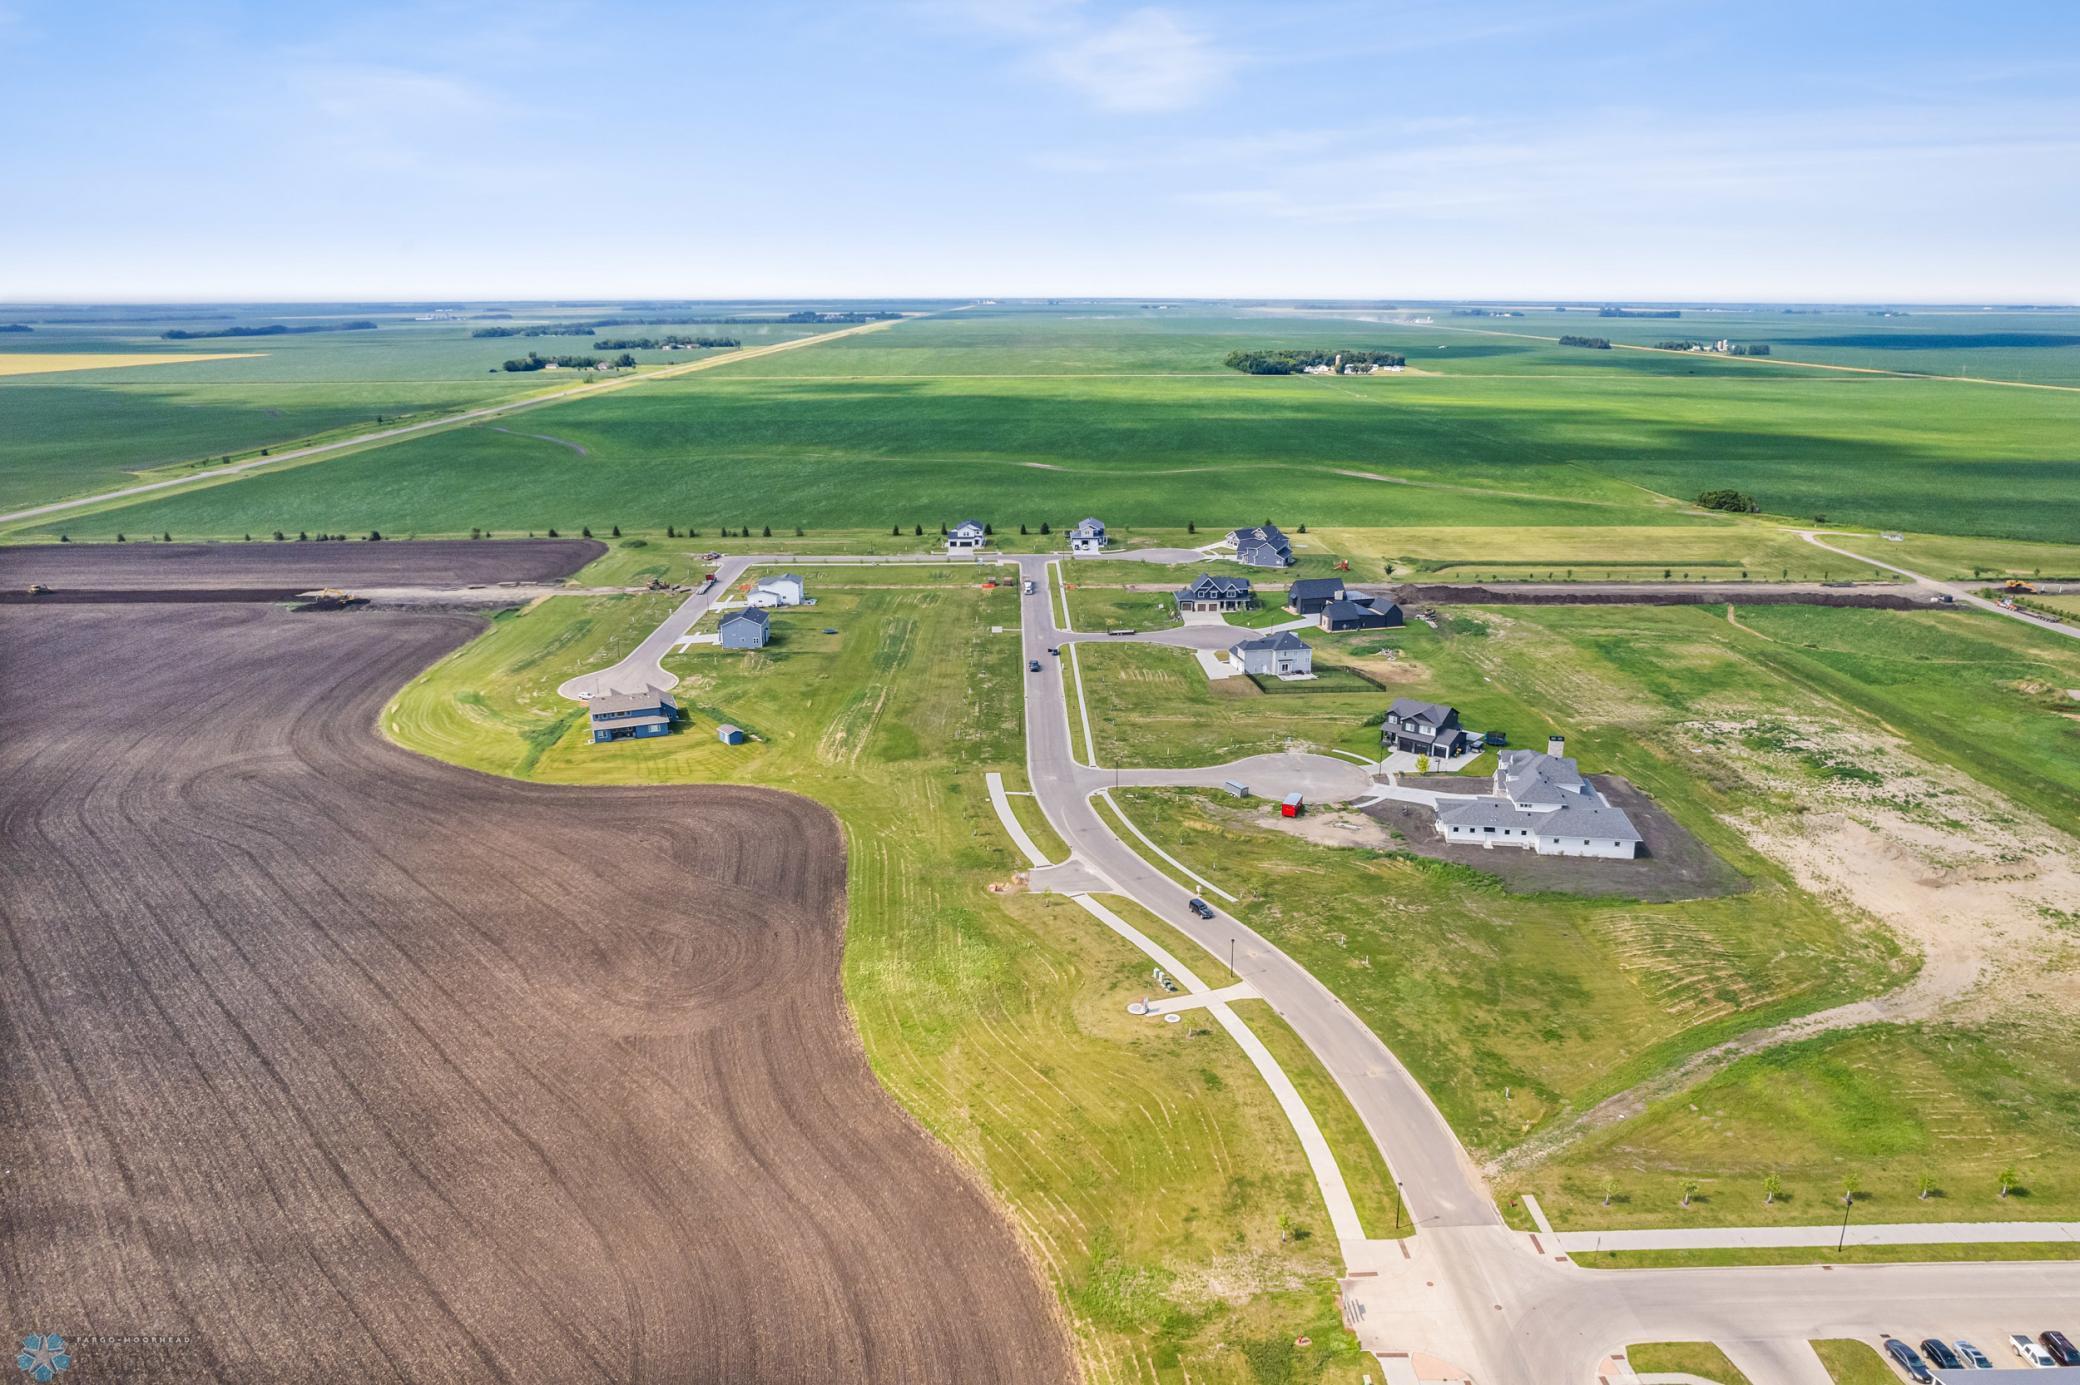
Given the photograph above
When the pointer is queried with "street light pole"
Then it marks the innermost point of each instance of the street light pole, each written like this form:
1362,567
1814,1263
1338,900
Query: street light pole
1848,1201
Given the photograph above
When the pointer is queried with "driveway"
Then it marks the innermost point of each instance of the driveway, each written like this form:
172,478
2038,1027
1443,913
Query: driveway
643,668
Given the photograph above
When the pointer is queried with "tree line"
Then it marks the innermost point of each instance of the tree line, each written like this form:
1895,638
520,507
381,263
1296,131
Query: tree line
531,361
273,329
662,343
1639,312
1759,348
1593,343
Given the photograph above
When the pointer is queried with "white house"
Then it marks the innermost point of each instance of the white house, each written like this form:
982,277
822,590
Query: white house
1283,655
967,536
1541,802
1088,537
784,590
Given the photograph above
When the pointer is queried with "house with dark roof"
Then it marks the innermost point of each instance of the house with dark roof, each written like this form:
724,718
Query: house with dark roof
630,716
1088,537
1542,803
746,629
1424,728
1211,593
1307,595
967,536
1283,655
1263,546
1361,612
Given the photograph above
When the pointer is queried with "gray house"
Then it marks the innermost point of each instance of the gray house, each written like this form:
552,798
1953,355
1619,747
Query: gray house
1088,537
1360,612
1263,546
1308,595
630,716
1424,728
1283,655
746,629
967,536
1211,593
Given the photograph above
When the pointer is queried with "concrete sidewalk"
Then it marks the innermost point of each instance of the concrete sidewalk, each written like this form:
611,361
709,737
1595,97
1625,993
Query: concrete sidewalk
1875,1234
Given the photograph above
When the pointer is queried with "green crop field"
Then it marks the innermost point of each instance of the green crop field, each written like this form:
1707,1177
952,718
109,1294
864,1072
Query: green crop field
1025,416
1148,1166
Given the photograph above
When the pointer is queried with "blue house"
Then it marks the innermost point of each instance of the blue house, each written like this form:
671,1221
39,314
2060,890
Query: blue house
627,716
746,629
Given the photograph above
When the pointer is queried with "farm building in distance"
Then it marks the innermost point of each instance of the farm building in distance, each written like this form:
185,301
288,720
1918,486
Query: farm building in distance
1088,537
1263,546
746,629
1541,802
784,590
1424,728
628,716
1283,655
967,536
1211,593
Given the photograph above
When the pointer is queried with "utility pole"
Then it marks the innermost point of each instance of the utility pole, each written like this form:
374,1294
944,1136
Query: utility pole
1231,957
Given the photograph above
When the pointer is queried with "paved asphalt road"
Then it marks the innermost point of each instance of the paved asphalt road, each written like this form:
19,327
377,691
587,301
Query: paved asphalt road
1470,1289
643,667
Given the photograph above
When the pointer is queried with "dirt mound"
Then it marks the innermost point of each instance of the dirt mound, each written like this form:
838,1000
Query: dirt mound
329,1062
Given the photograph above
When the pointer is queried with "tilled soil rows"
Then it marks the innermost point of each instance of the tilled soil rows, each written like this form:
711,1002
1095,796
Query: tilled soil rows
267,566
322,1061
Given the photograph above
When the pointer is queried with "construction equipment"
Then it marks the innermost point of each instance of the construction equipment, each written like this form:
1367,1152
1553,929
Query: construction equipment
2018,586
38,589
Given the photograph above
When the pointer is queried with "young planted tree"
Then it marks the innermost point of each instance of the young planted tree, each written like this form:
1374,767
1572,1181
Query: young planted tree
1609,1189
617,531
2010,1176
1043,527
1191,526
1689,1190
1928,1186
1772,1188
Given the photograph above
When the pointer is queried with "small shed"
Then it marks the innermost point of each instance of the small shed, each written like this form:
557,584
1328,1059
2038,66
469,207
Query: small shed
1236,787
730,735
1291,805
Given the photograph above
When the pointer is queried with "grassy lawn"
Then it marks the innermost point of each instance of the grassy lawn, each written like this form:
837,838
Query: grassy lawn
1724,1256
1114,608
1147,1166
1851,1362
1512,1009
1719,549
1700,1359
1935,555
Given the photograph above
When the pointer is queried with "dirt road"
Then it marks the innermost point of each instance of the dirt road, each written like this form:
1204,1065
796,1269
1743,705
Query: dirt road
327,1062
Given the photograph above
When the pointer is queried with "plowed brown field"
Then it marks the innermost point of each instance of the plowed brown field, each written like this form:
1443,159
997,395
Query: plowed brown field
333,1063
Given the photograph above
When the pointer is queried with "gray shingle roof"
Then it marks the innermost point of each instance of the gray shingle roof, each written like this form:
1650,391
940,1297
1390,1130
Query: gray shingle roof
1206,584
1310,588
754,614
1436,713
1283,640
630,702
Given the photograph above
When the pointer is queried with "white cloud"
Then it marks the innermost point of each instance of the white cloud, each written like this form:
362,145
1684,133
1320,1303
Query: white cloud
1149,60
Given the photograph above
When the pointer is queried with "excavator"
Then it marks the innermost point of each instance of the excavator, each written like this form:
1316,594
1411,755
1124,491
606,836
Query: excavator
2015,586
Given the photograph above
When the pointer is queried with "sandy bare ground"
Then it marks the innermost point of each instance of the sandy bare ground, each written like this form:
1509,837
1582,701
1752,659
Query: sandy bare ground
51,362
332,1063
1983,893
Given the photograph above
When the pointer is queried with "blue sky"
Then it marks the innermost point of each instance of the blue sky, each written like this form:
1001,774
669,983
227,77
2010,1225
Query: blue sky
1829,149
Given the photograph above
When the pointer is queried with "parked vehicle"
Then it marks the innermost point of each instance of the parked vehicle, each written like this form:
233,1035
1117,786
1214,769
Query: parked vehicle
1055,650
1909,1360
1200,907
1032,666
1940,1356
2062,1350
2030,1352
1973,1357
1030,588
1119,632
37,589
